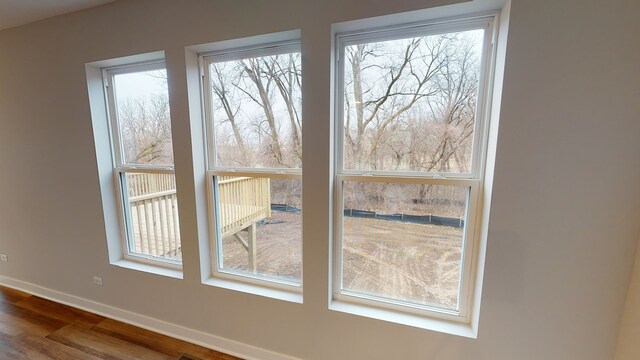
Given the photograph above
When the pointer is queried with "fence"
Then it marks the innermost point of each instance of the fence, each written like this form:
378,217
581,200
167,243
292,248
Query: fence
156,229
153,205
243,201
415,219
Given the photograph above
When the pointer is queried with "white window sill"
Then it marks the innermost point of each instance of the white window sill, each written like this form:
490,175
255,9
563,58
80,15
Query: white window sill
279,294
423,322
152,269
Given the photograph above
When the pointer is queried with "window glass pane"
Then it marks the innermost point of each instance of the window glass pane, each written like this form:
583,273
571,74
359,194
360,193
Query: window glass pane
260,220
152,215
404,241
256,106
142,106
409,104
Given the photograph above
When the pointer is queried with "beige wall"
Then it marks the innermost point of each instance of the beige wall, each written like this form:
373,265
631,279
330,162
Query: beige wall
565,204
629,339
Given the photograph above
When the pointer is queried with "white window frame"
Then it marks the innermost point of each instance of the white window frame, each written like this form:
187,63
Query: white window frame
214,171
474,180
121,167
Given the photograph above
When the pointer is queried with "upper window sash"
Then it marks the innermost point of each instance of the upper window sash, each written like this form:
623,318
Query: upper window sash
146,169
419,29
416,29
408,179
236,54
109,74
133,68
268,49
436,176
258,172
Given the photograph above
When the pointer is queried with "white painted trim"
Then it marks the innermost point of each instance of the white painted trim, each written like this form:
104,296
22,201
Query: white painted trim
108,145
404,318
431,14
233,50
197,337
151,268
252,41
259,50
270,289
474,239
484,203
137,58
259,173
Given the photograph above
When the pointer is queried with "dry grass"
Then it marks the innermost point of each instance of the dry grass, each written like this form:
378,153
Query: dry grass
404,261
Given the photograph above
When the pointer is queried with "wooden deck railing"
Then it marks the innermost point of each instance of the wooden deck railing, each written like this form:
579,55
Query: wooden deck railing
145,183
243,201
156,229
154,211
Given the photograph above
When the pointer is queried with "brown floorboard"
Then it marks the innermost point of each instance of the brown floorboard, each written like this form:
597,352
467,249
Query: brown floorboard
39,348
158,342
38,329
59,311
103,346
11,295
24,320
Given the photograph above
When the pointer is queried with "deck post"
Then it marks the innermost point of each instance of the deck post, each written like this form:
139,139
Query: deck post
266,183
251,242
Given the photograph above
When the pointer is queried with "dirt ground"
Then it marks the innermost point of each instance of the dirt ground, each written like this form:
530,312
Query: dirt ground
404,261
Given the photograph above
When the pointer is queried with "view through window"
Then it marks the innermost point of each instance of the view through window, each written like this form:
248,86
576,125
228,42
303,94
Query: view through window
255,147
408,164
143,154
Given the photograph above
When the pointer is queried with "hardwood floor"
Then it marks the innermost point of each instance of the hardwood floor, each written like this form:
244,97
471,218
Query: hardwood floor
37,329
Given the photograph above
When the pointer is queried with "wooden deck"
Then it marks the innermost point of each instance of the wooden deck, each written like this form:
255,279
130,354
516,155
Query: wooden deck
35,328
155,225
243,202
153,212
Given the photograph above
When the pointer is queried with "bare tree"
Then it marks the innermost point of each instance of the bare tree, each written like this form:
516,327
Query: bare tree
224,82
455,108
400,82
410,104
263,84
258,100
146,130
287,75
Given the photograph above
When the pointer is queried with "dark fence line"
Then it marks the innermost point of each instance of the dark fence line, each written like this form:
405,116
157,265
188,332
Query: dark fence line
414,219
285,208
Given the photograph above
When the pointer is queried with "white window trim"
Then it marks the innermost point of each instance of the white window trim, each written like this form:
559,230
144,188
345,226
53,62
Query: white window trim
399,311
120,167
241,281
216,238
105,161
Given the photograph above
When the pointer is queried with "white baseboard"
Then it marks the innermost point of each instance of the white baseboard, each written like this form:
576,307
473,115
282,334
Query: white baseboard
197,337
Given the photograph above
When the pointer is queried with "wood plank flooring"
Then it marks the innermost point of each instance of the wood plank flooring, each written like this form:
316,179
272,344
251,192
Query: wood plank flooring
38,329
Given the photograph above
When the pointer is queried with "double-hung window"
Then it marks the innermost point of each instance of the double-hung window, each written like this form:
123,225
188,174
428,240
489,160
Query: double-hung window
142,153
411,140
254,146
